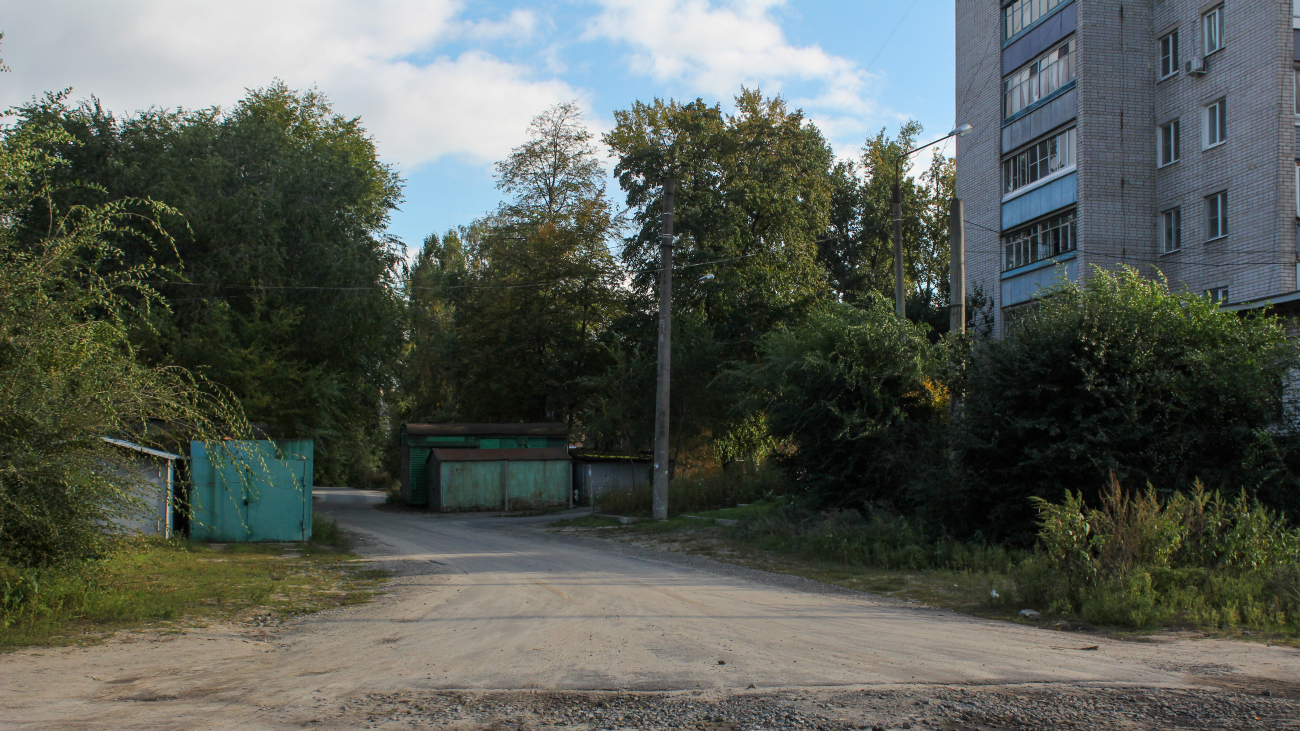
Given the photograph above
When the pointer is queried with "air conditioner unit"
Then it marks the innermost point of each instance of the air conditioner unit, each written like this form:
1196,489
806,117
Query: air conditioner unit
1196,67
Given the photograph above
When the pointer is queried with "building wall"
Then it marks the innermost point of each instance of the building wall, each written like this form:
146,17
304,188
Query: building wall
979,104
1120,101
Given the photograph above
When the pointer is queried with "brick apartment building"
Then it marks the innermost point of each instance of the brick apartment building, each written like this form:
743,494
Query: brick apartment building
1160,134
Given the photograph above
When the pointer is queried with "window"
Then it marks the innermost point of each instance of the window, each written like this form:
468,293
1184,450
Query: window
1169,55
1216,123
1023,13
1216,216
1040,78
1212,29
1217,294
1168,144
1039,241
1038,161
1296,75
1172,229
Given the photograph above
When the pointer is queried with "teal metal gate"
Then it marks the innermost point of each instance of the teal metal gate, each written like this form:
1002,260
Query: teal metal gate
251,491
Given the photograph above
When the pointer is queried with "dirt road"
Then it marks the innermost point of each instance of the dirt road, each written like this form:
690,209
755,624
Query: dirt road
494,624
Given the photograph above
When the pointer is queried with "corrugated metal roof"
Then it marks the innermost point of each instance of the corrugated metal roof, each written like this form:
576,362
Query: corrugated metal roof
140,448
585,456
546,429
512,455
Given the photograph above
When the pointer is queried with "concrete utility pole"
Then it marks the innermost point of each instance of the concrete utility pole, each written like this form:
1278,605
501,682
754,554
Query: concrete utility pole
900,306
957,263
659,507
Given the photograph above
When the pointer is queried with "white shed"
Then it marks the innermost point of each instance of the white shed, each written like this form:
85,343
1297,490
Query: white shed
156,471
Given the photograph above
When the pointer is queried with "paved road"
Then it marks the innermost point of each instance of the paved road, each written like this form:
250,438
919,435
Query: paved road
490,603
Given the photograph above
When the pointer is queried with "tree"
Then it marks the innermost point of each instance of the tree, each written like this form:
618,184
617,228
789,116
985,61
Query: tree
753,194
284,284
853,392
857,247
1120,377
69,375
527,292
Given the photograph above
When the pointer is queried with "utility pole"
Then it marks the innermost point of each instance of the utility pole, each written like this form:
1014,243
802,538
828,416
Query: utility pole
659,506
900,306
957,263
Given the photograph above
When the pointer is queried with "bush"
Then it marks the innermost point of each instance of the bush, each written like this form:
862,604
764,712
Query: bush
1120,375
68,372
854,391
1140,559
877,540
689,494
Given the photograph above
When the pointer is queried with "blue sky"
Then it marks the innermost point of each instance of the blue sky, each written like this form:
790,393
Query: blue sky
448,86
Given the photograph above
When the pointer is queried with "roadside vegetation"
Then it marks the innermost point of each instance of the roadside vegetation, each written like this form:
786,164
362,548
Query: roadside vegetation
164,586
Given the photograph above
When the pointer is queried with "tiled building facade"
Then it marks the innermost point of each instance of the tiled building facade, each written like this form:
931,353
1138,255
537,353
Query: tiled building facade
1160,134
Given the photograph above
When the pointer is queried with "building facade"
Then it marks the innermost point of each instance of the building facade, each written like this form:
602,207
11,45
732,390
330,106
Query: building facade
1158,134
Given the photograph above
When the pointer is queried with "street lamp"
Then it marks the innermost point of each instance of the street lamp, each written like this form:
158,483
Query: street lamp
900,306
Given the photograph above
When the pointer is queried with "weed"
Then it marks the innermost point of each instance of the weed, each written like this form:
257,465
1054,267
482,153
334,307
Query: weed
691,494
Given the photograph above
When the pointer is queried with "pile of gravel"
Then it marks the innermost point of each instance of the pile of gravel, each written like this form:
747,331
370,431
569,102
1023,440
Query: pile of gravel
918,708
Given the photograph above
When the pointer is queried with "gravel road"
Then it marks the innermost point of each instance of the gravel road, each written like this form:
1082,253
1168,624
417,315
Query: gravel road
492,623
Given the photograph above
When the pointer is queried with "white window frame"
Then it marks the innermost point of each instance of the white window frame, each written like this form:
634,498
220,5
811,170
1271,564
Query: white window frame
1168,49
1171,230
1297,183
1214,123
1218,295
1053,157
1212,31
1175,129
1216,223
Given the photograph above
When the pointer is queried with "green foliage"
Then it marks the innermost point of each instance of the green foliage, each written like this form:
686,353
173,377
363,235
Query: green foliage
878,540
853,392
857,249
1139,560
280,276
507,314
69,375
1121,375
740,483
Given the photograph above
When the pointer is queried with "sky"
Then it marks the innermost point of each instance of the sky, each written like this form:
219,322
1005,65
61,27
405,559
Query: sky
447,87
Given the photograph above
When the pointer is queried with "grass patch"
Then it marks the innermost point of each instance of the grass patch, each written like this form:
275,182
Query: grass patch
157,583
586,521
695,493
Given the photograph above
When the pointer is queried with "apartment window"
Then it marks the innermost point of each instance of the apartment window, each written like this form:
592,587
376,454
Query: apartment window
1038,161
1045,75
1217,294
1212,30
1295,74
1215,115
1171,229
1168,142
1021,14
1216,216
1169,55
1039,241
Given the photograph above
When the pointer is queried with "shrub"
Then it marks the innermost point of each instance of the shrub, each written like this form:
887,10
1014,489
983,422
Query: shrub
877,540
688,494
854,391
1121,375
1140,559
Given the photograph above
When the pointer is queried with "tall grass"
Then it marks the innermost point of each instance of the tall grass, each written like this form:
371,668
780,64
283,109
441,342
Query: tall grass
689,494
876,541
1139,560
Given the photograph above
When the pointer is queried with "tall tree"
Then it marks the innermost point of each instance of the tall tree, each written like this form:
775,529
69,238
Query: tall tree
285,283
857,247
529,290
753,194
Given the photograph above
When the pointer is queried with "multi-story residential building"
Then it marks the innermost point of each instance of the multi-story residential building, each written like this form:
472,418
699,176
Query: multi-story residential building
1160,134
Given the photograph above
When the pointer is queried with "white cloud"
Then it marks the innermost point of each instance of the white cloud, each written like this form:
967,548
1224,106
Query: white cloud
715,48
195,53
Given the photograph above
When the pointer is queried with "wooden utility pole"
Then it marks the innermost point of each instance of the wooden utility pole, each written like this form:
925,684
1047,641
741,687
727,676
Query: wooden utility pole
957,264
900,306
660,500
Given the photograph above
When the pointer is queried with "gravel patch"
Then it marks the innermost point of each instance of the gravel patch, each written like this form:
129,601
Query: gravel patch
916,708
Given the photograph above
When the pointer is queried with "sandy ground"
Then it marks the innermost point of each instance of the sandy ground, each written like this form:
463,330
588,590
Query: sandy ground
493,608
